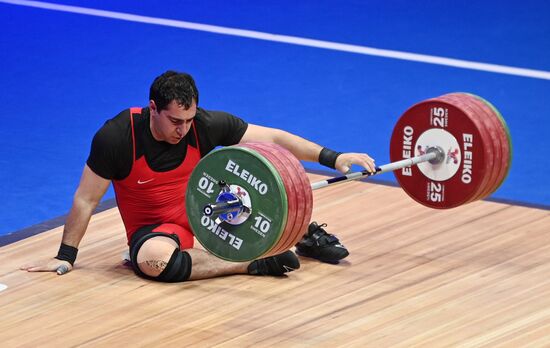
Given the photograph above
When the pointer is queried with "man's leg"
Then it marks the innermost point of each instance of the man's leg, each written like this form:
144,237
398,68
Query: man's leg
158,256
155,254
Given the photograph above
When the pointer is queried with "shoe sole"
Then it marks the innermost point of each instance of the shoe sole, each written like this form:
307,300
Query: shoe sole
331,261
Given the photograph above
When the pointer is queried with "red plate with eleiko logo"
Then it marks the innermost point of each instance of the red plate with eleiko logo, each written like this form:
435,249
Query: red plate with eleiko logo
464,171
499,140
298,192
470,105
290,193
504,142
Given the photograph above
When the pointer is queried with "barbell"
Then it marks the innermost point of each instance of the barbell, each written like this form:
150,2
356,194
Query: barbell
254,200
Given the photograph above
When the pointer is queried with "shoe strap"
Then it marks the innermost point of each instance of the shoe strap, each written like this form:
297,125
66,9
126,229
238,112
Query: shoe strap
323,238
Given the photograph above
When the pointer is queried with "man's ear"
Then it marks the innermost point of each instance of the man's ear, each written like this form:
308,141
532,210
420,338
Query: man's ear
153,106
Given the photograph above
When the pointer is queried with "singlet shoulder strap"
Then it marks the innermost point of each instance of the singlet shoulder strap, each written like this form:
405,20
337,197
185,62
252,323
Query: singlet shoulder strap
134,111
196,136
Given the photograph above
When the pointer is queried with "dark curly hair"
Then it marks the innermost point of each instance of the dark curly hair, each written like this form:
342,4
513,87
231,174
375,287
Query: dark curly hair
174,85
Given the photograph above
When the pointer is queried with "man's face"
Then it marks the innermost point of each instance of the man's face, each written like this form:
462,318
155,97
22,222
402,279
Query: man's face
173,123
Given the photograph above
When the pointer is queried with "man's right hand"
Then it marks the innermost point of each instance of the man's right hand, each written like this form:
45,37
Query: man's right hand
48,265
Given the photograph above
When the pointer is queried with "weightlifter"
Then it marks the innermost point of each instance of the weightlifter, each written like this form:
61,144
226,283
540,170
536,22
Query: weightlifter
148,154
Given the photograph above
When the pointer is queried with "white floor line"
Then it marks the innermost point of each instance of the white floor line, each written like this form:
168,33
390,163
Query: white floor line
370,51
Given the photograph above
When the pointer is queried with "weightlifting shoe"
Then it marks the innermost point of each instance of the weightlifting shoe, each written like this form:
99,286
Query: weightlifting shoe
320,245
276,265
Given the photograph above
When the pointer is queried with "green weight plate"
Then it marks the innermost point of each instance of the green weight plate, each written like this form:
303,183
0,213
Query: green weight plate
248,169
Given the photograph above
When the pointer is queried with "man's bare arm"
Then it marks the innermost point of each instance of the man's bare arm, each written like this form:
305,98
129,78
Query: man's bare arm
88,195
304,149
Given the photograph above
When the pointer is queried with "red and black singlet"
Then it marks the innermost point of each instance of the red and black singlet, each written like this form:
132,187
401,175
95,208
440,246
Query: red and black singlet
147,197
150,177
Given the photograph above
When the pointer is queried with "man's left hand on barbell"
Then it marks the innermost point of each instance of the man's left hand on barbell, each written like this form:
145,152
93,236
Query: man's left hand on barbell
347,159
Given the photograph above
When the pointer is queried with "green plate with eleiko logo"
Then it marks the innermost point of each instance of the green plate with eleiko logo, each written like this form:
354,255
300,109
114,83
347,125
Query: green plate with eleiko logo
262,184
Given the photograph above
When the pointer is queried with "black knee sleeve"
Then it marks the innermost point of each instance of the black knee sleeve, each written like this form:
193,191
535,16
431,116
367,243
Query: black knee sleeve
178,268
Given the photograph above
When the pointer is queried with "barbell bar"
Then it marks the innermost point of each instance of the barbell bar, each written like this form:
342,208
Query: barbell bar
233,205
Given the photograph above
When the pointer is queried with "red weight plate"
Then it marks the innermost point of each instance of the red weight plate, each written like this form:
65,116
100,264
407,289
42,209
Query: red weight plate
504,127
288,159
298,177
305,189
505,143
462,139
500,141
290,192
464,102
468,104
303,192
290,201
275,154
306,196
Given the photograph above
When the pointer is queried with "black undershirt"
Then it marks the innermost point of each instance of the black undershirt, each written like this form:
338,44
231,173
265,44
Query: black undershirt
111,151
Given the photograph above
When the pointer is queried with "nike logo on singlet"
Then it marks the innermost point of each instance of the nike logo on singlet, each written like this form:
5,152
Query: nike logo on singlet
144,182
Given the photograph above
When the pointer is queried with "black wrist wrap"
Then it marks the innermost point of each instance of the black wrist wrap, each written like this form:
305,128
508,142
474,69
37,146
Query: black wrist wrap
328,157
67,253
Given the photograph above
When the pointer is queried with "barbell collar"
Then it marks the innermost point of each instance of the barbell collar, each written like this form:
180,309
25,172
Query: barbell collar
223,207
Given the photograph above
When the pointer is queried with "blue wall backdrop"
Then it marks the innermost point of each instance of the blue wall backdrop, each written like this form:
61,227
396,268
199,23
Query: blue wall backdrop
63,74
